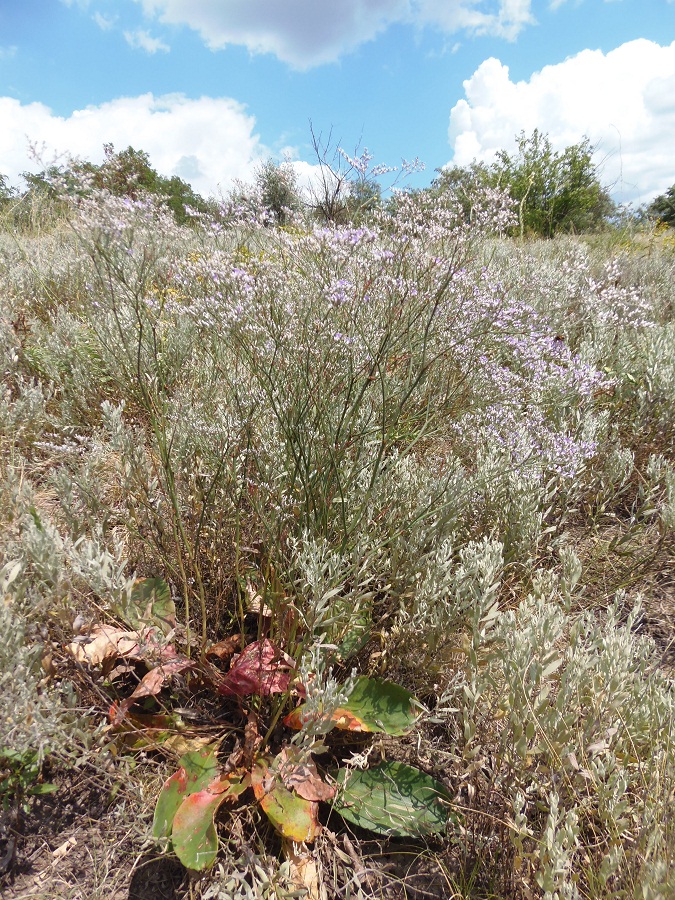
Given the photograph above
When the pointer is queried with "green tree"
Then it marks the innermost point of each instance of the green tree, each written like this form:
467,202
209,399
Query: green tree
6,191
555,192
279,191
663,207
365,196
128,173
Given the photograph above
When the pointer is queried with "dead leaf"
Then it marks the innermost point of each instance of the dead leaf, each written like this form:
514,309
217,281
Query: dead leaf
48,666
303,869
180,744
224,649
255,603
150,685
64,849
301,775
252,739
105,643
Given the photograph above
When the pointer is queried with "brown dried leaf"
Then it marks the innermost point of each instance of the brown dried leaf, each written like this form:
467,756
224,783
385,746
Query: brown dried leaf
224,649
150,685
252,739
303,869
106,643
301,775
255,603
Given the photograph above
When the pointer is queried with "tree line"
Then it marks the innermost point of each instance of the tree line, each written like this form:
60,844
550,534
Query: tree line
554,191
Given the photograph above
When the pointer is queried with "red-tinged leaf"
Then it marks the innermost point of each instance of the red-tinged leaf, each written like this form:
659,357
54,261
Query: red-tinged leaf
197,770
172,795
261,669
150,685
299,773
193,836
234,784
297,718
291,815
346,721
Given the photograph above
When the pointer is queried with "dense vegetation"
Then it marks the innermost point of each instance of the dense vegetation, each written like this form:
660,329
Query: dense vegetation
406,448
663,207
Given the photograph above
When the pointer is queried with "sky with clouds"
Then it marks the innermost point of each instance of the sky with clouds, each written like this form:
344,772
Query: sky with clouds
209,88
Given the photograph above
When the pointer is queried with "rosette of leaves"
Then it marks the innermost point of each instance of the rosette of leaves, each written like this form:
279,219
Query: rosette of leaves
390,799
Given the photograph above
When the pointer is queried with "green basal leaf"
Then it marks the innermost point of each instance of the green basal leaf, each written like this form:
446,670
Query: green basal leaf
373,706
377,706
44,788
197,770
150,604
393,799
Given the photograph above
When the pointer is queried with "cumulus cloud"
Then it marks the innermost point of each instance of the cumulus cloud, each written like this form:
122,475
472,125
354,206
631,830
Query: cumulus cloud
209,142
306,33
141,40
623,101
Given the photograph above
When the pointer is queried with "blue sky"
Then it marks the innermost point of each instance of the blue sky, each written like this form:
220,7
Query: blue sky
210,87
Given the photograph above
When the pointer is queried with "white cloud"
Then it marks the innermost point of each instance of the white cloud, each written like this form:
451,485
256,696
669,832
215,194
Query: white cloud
8,52
105,23
455,15
624,102
141,40
306,33
208,142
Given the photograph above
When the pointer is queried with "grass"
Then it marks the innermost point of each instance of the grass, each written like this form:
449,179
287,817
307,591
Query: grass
445,450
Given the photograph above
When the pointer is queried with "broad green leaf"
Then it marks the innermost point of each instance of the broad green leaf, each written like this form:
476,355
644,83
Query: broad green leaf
150,604
197,770
392,799
377,706
194,838
44,788
373,706
292,816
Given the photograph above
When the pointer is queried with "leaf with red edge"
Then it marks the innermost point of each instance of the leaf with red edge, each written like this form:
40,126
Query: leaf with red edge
373,706
262,668
194,837
291,815
197,770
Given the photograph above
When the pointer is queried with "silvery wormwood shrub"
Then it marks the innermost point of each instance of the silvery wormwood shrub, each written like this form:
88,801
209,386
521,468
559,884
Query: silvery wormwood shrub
577,720
294,365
